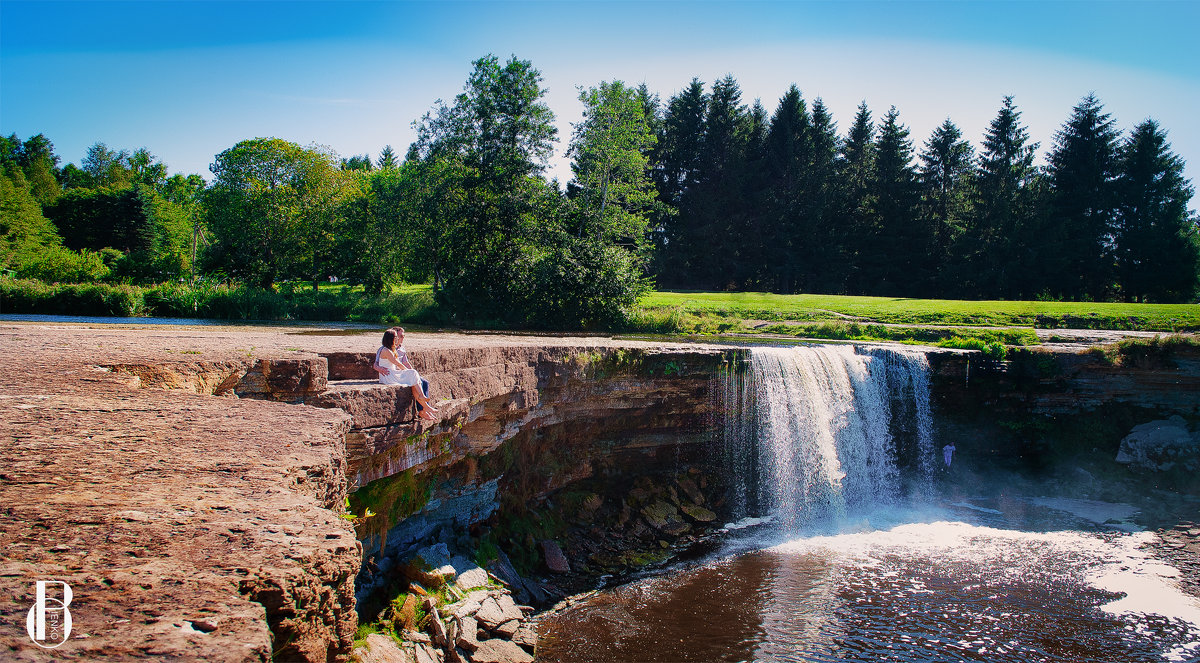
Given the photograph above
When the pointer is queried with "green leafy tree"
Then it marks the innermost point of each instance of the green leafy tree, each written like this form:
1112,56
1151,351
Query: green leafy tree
1082,171
24,231
358,162
1157,241
271,211
501,132
826,266
609,149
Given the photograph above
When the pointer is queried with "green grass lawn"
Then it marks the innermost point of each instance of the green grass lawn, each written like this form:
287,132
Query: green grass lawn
743,306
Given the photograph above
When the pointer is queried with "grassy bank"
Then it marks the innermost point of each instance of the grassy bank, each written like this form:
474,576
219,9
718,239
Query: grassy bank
736,308
967,324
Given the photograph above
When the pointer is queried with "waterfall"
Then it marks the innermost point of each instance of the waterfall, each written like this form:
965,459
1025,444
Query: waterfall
816,433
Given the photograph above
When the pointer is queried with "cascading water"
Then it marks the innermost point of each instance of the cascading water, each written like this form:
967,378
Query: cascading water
834,443
818,433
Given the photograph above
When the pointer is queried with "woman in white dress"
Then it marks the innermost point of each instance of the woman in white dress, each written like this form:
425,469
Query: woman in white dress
391,362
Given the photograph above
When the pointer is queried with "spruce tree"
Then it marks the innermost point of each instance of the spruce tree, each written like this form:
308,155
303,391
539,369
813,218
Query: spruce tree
894,256
856,205
676,166
387,158
826,269
995,249
1082,171
788,231
945,176
1157,243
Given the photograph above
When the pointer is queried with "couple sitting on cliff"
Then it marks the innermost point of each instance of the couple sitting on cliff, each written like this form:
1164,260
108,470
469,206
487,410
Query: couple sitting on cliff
393,366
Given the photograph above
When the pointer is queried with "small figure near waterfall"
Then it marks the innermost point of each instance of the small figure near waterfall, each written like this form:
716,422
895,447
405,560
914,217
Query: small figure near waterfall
393,366
948,453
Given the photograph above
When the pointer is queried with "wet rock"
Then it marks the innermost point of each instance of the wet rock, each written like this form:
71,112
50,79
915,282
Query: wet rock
697,513
664,518
1161,445
500,651
556,561
690,489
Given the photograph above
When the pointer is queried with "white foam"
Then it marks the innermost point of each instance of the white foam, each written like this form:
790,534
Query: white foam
981,509
1120,564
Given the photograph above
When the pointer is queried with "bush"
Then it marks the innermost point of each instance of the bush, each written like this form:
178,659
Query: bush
58,264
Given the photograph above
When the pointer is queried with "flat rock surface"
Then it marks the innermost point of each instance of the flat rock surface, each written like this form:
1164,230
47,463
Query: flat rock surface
187,525
178,520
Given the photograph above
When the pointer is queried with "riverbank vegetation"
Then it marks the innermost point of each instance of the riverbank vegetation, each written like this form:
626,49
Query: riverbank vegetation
699,191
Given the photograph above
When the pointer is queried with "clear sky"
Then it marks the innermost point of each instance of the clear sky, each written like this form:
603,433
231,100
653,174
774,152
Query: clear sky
189,79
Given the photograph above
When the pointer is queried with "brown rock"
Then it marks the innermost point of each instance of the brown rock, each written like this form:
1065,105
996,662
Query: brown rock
509,608
555,560
407,616
527,637
500,651
507,629
436,628
425,654
381,649
467,629
490,615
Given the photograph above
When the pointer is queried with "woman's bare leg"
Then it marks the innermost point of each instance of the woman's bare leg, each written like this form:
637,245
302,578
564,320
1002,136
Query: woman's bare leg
426,412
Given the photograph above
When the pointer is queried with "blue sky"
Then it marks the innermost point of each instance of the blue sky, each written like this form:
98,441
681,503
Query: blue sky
189,79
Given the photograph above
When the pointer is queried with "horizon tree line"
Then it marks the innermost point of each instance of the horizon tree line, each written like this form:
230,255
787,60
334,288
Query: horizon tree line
699,192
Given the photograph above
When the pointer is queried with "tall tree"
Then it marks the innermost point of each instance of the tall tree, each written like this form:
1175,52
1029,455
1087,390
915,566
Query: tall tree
895,254
945,175
609,150
997,248
270,210
387,158
1082,170
502,132
827,267
787,232
676,170
856,207
1158,243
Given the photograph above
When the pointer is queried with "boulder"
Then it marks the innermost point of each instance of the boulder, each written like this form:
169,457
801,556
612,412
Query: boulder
425,654
1161,445
490,614
664,518
467,633
697,513
381,649
508,608
500,651
468,575
556,561
508,629
527,637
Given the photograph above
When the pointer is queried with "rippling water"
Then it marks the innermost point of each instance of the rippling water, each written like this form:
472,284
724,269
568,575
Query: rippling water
932,591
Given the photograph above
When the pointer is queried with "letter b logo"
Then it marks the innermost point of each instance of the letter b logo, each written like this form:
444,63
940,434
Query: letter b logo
49,620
